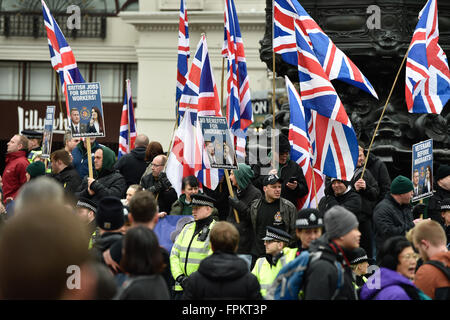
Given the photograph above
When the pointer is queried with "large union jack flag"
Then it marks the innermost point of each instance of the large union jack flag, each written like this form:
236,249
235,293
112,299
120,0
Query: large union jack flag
61,55
427,87
200,97
331,134
334,62
127,136
301,149
183,51
239,105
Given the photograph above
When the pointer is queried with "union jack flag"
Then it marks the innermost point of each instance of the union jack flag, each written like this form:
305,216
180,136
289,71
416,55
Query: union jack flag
335,63
301,149
128,133
61,55
427,86
200,97
183,51
331,134
239,105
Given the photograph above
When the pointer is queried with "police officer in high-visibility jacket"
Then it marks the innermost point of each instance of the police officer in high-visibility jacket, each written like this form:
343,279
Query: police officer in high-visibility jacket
359,262
192,244
34,144
277,256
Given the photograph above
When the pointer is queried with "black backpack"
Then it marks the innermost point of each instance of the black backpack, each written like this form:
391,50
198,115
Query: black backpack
442,293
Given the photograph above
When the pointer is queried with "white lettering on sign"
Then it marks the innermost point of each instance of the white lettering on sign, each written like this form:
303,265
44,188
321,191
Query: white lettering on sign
30,120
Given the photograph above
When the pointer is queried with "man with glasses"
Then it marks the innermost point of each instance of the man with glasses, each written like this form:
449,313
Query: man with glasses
159,185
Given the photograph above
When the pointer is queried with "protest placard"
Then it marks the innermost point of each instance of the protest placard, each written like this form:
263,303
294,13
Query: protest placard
86,118
48,132
422,169
218,144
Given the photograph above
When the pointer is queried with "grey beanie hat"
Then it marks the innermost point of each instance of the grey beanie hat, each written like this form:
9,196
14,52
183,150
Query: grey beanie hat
339,221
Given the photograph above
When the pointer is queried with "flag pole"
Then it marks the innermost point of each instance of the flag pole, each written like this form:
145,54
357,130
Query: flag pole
273,90
128,115
227,175
382,113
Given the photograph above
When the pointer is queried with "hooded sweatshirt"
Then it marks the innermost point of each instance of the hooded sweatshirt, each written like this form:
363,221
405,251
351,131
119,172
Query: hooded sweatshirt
222,276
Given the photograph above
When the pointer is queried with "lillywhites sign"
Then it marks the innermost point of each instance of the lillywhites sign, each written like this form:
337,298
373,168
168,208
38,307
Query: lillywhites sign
30,120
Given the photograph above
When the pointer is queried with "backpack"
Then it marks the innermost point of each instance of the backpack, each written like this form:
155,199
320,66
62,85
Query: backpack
442,293
289,281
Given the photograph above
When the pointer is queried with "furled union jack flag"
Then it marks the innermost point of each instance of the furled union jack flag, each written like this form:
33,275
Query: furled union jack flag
183,51
200,92
301,149
239,105
331,134
128,133
61,55
427,87
335,63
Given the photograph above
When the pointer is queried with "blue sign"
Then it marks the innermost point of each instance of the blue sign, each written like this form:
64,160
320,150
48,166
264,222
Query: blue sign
422,169
86,118
168,228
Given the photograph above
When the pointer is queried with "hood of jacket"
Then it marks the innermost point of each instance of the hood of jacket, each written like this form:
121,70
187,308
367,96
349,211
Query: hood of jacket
223,266
388,278
139,153
109,158
15,155
243,175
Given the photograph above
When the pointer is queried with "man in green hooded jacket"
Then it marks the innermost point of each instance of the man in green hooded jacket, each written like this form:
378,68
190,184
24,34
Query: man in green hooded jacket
106,181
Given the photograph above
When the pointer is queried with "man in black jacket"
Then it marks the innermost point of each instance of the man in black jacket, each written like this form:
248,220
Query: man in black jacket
368,190
132,165
294,185
244,193
329,258
158,184
223,275
339,192
393,215
442,192
381,174
64,172
107,182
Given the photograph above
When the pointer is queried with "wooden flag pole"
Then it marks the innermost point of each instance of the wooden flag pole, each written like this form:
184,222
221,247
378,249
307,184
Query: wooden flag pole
382,113
227,175
89,155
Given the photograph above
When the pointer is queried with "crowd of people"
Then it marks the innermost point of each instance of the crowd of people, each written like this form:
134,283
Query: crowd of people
92,236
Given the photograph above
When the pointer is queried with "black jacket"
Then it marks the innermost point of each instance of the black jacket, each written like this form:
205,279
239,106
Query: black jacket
149,287
103,243
132,165
165,198
111,183
69,179
246,234
289,170
349,200
368,196
321,277
434,203
222,276
391,219
380,172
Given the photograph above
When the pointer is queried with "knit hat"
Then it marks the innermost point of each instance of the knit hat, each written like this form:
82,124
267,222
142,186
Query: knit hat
110,214
309,218
401,185
442,172
36,169
339,221
243,175
357,256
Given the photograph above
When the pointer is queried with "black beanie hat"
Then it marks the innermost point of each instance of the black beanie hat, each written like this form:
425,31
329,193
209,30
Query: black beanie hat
110,214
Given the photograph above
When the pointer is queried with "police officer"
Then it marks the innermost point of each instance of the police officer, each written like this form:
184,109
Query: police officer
192,244
309,227
34,144
277,255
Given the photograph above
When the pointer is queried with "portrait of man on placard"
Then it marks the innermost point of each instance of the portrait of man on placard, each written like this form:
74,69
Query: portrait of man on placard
75,125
